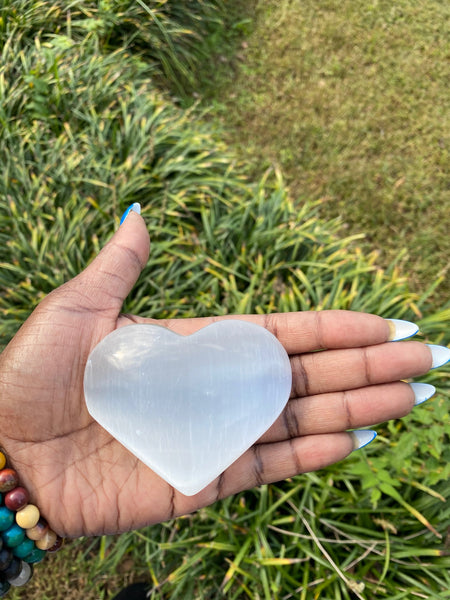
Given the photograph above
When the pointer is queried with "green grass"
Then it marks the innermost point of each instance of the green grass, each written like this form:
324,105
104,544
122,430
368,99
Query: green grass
350,99
88,124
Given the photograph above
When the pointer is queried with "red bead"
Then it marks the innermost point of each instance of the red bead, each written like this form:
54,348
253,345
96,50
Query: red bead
57,545
8,480
16,498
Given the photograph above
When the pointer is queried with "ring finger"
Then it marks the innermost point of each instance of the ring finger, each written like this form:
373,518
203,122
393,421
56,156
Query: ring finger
339,411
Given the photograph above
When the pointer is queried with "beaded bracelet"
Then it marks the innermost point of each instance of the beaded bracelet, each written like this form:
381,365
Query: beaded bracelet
25,536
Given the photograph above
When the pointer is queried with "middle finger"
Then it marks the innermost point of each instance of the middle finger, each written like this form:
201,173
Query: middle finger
339,370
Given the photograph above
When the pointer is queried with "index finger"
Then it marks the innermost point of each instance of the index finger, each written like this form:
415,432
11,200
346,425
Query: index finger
298,331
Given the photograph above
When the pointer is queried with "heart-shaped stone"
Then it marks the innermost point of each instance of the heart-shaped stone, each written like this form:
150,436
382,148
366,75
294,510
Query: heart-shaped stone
188,406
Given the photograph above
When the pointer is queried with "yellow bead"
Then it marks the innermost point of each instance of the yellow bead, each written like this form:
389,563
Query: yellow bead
47,541
2,460
28,516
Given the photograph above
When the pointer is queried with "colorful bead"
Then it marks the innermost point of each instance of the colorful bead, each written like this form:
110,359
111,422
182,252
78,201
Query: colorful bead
24,548
4,588
57,545
47,541
13,536
28,516
35,556
17,498
24,576
24,542
13,569
5,558
38,531
6,518
8,480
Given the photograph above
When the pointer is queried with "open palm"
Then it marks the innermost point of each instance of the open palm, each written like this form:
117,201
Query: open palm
86,483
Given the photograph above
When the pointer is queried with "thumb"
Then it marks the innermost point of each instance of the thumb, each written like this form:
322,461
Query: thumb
107,281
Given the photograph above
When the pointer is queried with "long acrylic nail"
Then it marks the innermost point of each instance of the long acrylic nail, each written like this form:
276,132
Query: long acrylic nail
135,207
422,392
400,330
440,354
362,437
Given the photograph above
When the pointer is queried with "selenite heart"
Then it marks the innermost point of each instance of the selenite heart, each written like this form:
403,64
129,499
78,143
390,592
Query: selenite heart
188,406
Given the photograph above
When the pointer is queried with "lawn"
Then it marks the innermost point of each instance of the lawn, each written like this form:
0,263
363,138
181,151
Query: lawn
350,100
183,108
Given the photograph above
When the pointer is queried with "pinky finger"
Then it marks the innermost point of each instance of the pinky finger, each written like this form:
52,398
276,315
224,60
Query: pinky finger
267,463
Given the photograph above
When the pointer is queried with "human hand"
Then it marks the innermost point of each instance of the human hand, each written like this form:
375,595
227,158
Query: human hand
86,483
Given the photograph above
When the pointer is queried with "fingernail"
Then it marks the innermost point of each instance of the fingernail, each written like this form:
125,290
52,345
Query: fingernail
135,207
362,437
401,330
440,354
422,392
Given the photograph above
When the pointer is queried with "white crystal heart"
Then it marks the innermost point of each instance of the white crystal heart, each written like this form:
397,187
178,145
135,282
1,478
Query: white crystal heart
188,406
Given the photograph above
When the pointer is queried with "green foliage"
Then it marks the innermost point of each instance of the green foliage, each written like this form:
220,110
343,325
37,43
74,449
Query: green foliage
105,137
165,35
85,130
317,534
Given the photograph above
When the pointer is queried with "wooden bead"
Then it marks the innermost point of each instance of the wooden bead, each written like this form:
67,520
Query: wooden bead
57,545
13,569
35,556
23,577
13,536
28,516
5,558
47,541
24,548
2,460
8,480
6,518
4,587
38,531
16,498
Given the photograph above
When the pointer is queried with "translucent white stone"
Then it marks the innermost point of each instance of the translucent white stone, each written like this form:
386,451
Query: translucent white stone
188,406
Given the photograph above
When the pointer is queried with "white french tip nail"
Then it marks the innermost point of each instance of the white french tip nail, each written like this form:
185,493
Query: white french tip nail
422,392
400,330
440,354
362,437
135,207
